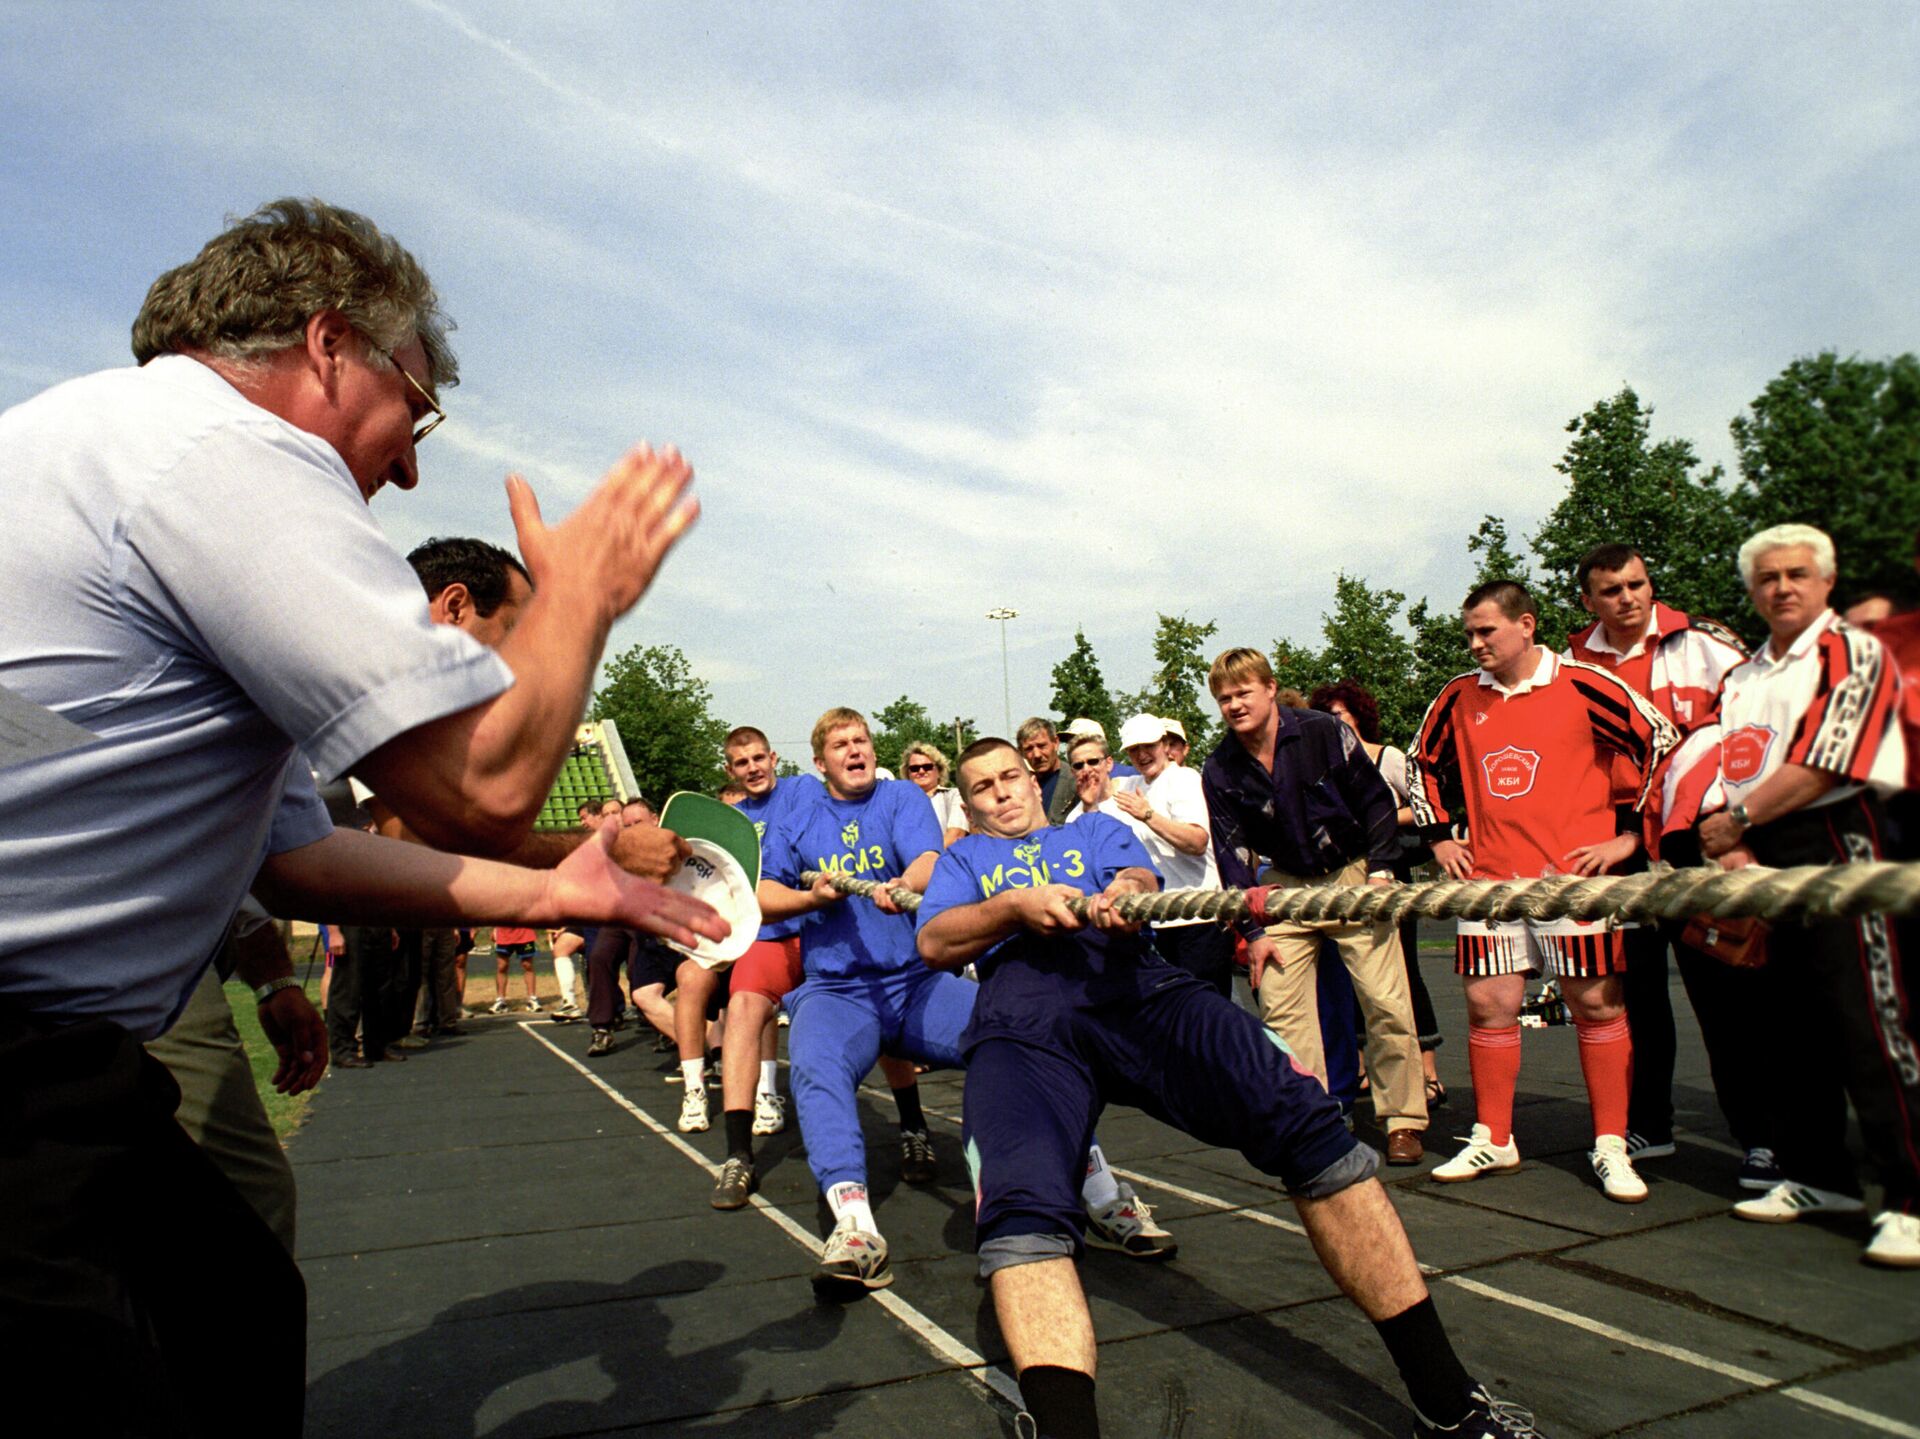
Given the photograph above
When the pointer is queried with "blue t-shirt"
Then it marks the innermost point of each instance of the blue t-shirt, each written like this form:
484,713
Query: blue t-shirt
876,837
1027,977
788,794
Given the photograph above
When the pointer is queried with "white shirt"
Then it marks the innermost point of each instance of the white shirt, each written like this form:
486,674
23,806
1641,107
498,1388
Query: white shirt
1827,703
1177,793
199,584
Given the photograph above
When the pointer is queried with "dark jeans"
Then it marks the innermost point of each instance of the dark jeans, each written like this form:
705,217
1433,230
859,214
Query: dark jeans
611,948
134,1279
1650,1016
370,993
1202,950
1426,1024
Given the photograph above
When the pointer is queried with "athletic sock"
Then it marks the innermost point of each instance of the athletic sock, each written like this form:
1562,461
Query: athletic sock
907,1101
1100,1188
769,1077
1060,1401
694,1072
1606,1059
1493,1056
740,1134
849,1196
1439,1387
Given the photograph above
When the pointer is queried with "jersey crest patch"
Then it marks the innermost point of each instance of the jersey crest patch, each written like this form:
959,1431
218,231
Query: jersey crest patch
1510,772
1027,853
850,836
1743,754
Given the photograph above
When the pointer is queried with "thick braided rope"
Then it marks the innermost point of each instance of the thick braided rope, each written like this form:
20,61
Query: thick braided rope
1804,892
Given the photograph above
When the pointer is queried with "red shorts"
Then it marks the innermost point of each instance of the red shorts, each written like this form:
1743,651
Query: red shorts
771,967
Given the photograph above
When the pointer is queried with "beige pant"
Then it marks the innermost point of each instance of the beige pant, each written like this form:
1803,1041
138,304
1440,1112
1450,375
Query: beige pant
1371,952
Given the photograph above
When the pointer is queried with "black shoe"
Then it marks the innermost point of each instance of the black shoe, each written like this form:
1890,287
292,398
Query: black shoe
351,1061
666,1044
601,1043
736,1183
917,1162
1489,1418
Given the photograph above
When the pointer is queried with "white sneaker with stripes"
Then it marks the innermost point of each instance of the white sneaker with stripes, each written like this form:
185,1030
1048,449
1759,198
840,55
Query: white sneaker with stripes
1481,1156
1787,1202
1896,1241
1615,1171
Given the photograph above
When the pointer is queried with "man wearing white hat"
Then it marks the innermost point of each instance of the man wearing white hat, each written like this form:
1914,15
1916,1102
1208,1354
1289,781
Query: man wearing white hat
1169,813
1176,740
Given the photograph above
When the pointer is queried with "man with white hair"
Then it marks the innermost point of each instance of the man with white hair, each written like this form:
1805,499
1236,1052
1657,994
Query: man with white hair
1169,814
1807,737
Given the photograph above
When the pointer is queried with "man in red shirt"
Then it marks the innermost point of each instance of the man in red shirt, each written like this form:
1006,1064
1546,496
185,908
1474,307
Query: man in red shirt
1532,743
1676,662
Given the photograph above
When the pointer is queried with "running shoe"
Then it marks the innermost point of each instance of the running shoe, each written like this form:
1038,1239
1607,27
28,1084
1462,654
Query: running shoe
1640,1147
1489,1418
1126,1224
567,1014
853,1262
1614,1170
1787,1201
693,1111
533,1005
499,1006
601,1043
1896,1241
736,1184
1481,1156
917,1162
769,1113
1760,1170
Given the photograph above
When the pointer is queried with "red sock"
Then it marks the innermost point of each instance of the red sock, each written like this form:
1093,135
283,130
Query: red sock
1494,1057
1606,1059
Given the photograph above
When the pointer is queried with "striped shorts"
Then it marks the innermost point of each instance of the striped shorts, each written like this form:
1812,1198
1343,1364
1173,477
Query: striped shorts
1569,948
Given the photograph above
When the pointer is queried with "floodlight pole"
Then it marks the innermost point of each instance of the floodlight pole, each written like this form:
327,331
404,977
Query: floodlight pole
1003,614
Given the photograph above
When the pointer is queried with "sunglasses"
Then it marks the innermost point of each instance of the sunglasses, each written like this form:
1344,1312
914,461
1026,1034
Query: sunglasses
1081,764
922,768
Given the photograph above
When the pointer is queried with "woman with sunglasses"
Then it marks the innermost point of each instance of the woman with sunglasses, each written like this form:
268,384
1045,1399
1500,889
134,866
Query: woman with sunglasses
926,766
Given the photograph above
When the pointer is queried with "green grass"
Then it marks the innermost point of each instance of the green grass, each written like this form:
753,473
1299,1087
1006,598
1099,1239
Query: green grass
286,1111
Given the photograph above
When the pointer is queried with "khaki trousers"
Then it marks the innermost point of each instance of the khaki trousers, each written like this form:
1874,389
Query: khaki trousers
1371,952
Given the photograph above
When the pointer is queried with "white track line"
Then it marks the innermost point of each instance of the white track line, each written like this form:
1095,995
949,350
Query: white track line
1761,1382
996,1380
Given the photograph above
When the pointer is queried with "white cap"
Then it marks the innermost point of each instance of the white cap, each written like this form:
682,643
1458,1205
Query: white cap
709,873
1173,726
1142,729
1083,727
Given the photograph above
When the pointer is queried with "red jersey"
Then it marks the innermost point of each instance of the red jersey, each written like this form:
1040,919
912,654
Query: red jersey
508,934
1534,763
1678,663
1899,635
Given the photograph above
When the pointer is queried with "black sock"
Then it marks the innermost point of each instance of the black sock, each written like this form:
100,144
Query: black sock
1429,1368
740,1134
1060,1401
908,1102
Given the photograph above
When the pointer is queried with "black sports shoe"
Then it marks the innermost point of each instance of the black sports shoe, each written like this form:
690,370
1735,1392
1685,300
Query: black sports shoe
917,1163
601,1043
1489,1418
736,1183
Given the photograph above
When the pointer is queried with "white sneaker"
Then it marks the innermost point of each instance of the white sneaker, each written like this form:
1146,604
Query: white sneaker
769,1113
499,1006
1615,1171
533,1005
1896,1241
1788,1201
1125,1223
1481,1156
693,1111
853,1262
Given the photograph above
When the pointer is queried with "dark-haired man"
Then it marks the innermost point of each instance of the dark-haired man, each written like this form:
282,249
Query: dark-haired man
287,374
1677,663
1074,1014
1532,742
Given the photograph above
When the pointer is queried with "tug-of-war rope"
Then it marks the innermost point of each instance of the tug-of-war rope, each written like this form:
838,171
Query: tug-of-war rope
1804,893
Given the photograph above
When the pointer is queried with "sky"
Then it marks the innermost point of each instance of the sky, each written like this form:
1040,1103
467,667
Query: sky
1094,312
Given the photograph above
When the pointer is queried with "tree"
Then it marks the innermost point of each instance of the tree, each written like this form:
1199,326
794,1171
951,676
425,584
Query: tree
1623,490
1079,689
1439,653
1836,443
1298,667
1179,681
1365,644
906,722
671,736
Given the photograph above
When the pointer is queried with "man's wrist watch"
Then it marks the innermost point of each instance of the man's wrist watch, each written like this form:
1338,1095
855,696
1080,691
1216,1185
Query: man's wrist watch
263,993
1738,814
1379,874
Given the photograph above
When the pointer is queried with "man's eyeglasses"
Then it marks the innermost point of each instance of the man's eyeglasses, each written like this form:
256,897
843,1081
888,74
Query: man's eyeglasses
922,768
425,427
1081,764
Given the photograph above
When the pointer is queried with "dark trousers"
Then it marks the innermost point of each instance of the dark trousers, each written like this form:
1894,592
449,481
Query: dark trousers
1734,1007
1426,1024
134,1279
1841,1017
1204,951
1650,1016
611,948
368,982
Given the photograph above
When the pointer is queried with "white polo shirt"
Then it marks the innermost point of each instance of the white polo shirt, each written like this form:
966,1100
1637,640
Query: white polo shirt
1827,703
197,584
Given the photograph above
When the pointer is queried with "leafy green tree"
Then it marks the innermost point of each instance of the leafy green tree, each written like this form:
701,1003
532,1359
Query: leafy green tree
1080,689
671,736
1439,652
1622,489
1298,667
1178,687
1366,643
1836,443
906,722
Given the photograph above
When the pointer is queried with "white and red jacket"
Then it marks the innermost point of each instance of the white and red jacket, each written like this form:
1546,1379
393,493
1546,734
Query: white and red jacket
1678,663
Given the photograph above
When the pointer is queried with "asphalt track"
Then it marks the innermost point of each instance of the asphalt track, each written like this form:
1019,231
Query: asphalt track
500,1240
